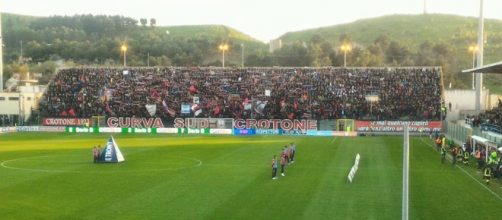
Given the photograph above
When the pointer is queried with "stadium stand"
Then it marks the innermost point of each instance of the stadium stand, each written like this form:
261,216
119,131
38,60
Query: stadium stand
489,121
322,93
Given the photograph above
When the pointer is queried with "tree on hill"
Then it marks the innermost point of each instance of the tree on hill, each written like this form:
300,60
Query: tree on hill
295,54
143,22
417,40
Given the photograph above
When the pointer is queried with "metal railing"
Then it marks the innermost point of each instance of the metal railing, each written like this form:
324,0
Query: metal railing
459,133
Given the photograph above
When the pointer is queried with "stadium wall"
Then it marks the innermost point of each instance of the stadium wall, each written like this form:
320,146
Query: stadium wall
242,129
463,100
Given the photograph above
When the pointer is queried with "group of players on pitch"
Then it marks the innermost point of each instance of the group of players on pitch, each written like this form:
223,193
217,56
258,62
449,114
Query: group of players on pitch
287,158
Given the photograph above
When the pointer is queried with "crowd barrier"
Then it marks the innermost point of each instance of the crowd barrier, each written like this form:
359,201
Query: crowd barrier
460,133
491,127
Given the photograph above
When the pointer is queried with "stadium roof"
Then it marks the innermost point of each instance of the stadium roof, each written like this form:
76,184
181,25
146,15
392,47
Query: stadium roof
490,68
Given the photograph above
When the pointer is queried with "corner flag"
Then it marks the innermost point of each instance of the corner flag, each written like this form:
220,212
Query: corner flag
111,153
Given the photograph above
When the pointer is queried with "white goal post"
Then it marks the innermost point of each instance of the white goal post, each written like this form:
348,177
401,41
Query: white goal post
406,172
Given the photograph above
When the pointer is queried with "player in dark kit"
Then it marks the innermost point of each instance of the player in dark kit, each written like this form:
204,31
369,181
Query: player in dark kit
283,163
95,153
292,152
274,168
285,152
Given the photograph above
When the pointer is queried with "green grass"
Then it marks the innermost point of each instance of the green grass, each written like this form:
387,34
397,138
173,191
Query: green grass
51,176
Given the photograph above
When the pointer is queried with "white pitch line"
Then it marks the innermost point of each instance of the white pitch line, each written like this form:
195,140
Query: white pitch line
463,170
4,165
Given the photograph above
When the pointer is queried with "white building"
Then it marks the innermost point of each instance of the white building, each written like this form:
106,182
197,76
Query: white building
462,104
15,107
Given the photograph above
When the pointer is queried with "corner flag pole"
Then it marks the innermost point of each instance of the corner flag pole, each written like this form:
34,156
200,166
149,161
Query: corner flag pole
406,167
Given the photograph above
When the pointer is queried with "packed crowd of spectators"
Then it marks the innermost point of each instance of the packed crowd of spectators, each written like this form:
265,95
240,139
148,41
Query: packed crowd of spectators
295,93
490,120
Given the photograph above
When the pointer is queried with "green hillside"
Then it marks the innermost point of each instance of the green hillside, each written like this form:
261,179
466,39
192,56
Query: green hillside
412,30
41,44
96,39
395,40
414,33
208,31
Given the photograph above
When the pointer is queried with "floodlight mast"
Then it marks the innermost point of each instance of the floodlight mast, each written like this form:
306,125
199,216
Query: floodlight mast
479,76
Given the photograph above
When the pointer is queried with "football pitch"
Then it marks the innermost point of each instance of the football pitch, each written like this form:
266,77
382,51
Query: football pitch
52,176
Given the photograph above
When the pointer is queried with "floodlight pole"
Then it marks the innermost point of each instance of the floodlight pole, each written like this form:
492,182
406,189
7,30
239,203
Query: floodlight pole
479,76
125,59
473,66
242,56
345,58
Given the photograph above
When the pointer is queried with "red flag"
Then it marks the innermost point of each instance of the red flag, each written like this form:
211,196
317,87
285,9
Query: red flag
154,93
192,89
217,110
291,115
246,101
71,112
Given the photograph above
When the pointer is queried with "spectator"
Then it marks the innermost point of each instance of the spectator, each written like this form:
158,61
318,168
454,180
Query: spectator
294,93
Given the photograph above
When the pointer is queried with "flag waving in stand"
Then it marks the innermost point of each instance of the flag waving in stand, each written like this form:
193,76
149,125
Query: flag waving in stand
168,110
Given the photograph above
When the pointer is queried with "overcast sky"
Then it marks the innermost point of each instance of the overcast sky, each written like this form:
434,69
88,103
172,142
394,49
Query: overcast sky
262,19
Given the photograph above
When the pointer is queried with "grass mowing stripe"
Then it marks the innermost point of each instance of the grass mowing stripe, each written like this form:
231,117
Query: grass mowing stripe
495,194
326,195
286,195
234,181
447,194
468,174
